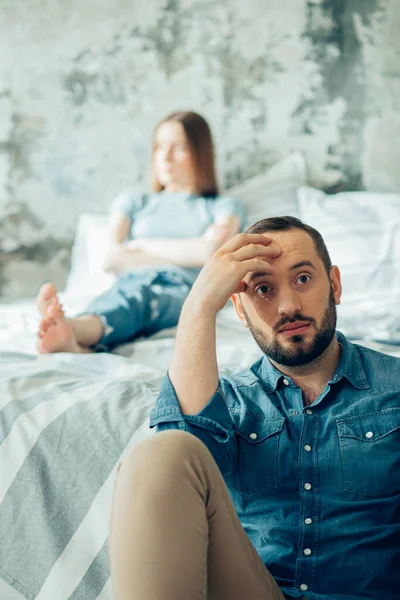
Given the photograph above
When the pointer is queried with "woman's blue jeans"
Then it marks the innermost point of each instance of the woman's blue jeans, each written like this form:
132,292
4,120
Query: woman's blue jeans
139,303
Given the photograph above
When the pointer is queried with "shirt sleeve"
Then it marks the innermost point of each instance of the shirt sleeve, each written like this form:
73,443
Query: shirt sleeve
226,206
212,425
128,204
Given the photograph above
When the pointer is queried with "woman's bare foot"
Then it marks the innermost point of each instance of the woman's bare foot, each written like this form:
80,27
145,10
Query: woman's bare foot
56,335
47,301
59,334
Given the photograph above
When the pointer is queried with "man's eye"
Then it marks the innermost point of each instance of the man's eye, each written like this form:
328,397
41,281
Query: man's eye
303,279
263,289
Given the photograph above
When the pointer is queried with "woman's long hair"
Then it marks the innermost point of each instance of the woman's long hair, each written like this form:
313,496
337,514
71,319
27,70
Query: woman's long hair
201,147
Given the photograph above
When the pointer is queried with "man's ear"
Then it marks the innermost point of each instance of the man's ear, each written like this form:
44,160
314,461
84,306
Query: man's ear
336,283
237,303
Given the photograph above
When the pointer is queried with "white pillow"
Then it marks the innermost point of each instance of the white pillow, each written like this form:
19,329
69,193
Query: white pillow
87,276
362,233
274,193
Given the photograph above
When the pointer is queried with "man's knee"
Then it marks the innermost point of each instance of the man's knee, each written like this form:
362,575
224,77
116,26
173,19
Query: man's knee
163,453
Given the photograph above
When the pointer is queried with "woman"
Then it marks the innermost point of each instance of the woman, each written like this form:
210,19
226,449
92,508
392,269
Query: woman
158,243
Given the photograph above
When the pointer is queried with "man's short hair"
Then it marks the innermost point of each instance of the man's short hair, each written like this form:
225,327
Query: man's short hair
287,222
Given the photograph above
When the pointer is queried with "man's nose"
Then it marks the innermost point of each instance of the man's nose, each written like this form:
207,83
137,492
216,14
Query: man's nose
289,302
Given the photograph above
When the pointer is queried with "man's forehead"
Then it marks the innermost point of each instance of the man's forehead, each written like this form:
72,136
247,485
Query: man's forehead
293,240
297,251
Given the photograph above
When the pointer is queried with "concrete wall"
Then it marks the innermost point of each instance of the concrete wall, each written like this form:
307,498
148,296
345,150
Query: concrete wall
83,82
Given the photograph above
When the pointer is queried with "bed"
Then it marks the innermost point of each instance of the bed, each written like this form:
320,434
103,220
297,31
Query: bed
66,420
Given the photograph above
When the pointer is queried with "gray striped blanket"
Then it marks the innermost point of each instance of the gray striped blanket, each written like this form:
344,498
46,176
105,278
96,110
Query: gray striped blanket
65,422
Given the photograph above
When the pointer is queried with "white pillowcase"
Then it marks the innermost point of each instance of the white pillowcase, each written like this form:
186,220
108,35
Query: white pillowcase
274,193
362,233
87,277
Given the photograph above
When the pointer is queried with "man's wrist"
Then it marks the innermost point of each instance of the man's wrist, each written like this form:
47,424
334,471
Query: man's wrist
199,309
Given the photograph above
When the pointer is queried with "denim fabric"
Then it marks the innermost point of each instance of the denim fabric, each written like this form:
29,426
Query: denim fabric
139,303
317,488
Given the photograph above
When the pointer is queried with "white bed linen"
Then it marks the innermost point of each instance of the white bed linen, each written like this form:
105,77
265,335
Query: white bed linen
362,233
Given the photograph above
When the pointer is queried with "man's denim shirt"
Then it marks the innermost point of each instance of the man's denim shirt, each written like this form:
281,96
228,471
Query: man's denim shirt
317,488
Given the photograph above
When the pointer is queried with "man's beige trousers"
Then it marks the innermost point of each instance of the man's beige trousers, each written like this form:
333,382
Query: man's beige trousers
175,534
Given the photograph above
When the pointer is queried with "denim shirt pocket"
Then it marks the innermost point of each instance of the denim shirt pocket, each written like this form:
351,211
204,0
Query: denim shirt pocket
370,452
257,440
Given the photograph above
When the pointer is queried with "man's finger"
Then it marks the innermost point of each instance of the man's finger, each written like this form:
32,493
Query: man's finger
253,250
244,239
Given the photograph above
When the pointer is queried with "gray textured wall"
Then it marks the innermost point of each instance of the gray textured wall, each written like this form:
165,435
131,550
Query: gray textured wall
83,82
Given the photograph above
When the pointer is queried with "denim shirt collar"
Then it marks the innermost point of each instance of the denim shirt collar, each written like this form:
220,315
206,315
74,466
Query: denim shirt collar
350,367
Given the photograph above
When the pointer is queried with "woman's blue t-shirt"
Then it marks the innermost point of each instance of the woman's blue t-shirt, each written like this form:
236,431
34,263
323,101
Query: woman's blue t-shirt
175,215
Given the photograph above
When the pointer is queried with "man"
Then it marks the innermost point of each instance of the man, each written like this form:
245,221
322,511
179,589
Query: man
305,442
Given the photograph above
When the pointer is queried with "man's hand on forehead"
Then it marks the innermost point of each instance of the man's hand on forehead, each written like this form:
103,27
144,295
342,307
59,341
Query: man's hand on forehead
274,251
225,271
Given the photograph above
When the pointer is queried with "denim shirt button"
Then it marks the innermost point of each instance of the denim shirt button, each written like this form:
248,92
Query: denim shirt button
253,436
307,551
303,587
309,411
369,434
285,381
307,486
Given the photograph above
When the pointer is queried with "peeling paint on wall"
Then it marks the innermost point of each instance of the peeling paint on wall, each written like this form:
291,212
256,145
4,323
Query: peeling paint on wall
83,84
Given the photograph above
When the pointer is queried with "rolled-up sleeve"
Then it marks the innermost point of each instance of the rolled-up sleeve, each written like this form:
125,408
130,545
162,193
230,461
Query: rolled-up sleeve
212,425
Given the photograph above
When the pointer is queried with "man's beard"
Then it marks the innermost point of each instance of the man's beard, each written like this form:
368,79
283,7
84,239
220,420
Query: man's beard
301,352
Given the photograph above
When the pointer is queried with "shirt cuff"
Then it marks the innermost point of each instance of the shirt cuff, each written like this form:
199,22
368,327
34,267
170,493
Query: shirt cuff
214,417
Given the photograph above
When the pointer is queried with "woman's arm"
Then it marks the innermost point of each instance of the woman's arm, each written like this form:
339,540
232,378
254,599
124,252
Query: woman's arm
119,228
118,256
190,252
